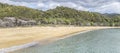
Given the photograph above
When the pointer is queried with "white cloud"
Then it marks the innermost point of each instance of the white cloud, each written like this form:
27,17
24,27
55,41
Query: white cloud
41,5
53,5
18,3
103,6
110,8
82,8
69,4
48,5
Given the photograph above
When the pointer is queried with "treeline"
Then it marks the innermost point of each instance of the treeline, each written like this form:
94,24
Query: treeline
60,16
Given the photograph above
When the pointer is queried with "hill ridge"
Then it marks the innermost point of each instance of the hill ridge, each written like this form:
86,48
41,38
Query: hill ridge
59,16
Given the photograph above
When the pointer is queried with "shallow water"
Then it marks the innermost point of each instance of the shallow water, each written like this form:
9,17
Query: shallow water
98,41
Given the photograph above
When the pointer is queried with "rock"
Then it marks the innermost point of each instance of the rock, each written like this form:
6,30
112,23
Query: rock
1,23
88,24
21,22
39,22
12,22
32,22
0,20
9,21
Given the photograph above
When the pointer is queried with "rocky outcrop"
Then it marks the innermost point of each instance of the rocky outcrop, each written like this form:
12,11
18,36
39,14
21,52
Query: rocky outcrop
2,23
13,22
9,21
21,22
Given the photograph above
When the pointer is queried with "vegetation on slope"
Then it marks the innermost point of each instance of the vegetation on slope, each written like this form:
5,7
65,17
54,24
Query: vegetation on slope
18,11
60,16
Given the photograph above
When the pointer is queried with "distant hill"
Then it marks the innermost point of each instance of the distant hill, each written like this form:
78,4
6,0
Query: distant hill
60,16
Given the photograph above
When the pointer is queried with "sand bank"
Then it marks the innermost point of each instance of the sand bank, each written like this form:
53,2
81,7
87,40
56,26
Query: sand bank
17,38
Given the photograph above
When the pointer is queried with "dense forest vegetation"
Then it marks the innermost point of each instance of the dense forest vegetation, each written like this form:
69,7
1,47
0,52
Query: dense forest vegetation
60,16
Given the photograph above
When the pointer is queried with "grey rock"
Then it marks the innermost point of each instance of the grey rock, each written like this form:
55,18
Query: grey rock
12,22
9,21
32,22
21,22
1,23
0,20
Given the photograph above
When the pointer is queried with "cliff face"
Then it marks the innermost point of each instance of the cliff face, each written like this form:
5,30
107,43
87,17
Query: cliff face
13,22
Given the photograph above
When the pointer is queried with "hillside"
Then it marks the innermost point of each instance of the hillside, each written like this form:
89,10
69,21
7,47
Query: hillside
58,16
18,11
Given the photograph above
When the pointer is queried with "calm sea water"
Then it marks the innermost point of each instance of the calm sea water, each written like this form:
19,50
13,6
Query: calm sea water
98,41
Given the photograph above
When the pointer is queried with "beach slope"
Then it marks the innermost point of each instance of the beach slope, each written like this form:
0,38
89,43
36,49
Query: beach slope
17,36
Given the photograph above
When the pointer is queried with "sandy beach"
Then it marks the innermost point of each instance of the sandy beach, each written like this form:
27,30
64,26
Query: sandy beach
17,36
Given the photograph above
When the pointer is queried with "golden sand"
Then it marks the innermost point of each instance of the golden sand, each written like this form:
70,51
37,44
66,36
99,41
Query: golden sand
17,36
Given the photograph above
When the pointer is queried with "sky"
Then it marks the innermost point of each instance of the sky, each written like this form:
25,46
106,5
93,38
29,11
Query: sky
101,6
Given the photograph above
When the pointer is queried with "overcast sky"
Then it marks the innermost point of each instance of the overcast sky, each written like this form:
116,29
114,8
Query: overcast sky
102,6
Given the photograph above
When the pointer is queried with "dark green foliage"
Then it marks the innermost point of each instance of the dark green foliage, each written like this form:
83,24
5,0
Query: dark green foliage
60,16
18,11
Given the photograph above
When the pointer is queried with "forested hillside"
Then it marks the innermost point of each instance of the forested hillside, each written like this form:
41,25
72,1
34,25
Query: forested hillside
18,11
59,16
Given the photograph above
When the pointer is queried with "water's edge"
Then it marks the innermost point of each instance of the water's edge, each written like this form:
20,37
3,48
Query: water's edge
14,48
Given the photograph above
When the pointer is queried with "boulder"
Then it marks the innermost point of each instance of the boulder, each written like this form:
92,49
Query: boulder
32,22
9,21
1,23
12,22
1,20
21,22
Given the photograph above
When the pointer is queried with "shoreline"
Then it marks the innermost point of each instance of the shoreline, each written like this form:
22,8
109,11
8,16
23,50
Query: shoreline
27,45
44,41
65,36
14,48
